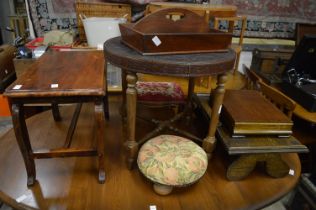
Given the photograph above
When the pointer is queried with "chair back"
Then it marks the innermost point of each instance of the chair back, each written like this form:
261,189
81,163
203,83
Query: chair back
150,8
252,79
231,23
283,102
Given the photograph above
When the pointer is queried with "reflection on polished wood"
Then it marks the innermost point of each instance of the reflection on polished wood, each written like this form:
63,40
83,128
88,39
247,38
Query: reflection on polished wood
302,113
70,183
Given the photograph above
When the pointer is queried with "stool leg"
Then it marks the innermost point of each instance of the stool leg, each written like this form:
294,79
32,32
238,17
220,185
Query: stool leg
162,189
100,126
22,137
210,141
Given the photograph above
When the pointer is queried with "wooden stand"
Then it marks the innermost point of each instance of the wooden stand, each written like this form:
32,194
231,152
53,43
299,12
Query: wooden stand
248,151
254,149
60,78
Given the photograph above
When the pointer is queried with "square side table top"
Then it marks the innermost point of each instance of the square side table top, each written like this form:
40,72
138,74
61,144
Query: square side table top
54,74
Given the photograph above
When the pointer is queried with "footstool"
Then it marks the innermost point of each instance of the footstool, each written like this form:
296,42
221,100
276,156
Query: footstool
171,161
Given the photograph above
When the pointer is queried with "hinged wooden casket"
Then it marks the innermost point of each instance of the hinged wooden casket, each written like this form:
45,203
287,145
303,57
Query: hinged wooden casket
247,112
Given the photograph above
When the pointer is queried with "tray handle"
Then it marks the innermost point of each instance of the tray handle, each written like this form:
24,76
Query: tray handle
164,21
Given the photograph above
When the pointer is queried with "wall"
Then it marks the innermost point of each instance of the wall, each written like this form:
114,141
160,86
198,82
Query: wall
4,21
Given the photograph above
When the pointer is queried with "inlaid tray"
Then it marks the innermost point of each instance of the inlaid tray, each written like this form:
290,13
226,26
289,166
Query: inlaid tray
174,31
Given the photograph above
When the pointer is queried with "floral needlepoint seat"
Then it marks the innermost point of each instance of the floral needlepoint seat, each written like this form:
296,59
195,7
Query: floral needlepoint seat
163,92
171,161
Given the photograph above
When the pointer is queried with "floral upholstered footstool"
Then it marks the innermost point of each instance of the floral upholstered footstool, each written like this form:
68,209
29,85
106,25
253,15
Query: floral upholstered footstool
171,161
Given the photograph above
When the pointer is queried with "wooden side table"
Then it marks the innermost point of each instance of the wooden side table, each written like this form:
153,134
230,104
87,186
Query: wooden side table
253,149
188,66
56,78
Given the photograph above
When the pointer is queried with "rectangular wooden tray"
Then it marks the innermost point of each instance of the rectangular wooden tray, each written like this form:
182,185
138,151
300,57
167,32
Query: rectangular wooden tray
158,33
247,112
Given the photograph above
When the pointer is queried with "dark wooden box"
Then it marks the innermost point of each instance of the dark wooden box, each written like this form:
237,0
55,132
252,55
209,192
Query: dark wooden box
161,33
7,73
269,64
247,112
299,76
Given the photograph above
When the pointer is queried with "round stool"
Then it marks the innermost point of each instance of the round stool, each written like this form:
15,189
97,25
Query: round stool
171,161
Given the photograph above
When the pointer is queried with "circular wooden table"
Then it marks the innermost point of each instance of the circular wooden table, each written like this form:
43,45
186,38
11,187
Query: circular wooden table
186,65
70,183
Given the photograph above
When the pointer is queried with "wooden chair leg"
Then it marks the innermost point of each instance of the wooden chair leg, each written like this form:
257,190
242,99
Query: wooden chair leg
237,62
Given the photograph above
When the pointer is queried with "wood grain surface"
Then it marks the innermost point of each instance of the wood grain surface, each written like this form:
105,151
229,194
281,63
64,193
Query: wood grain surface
190,65
249,112
70,183
76,74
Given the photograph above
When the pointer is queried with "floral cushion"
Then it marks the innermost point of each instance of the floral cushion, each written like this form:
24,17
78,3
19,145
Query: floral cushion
172,160
159,91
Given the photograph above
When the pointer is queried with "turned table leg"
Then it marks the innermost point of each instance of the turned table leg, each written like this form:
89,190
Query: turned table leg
244,165
210,141
100,126
23,140
131,99
124,88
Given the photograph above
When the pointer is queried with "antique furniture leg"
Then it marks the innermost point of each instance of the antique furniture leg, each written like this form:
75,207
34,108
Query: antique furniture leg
100,126
106,106
124,87
209,141
56,113
105,98
23,140
244,165
131,99
189,98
